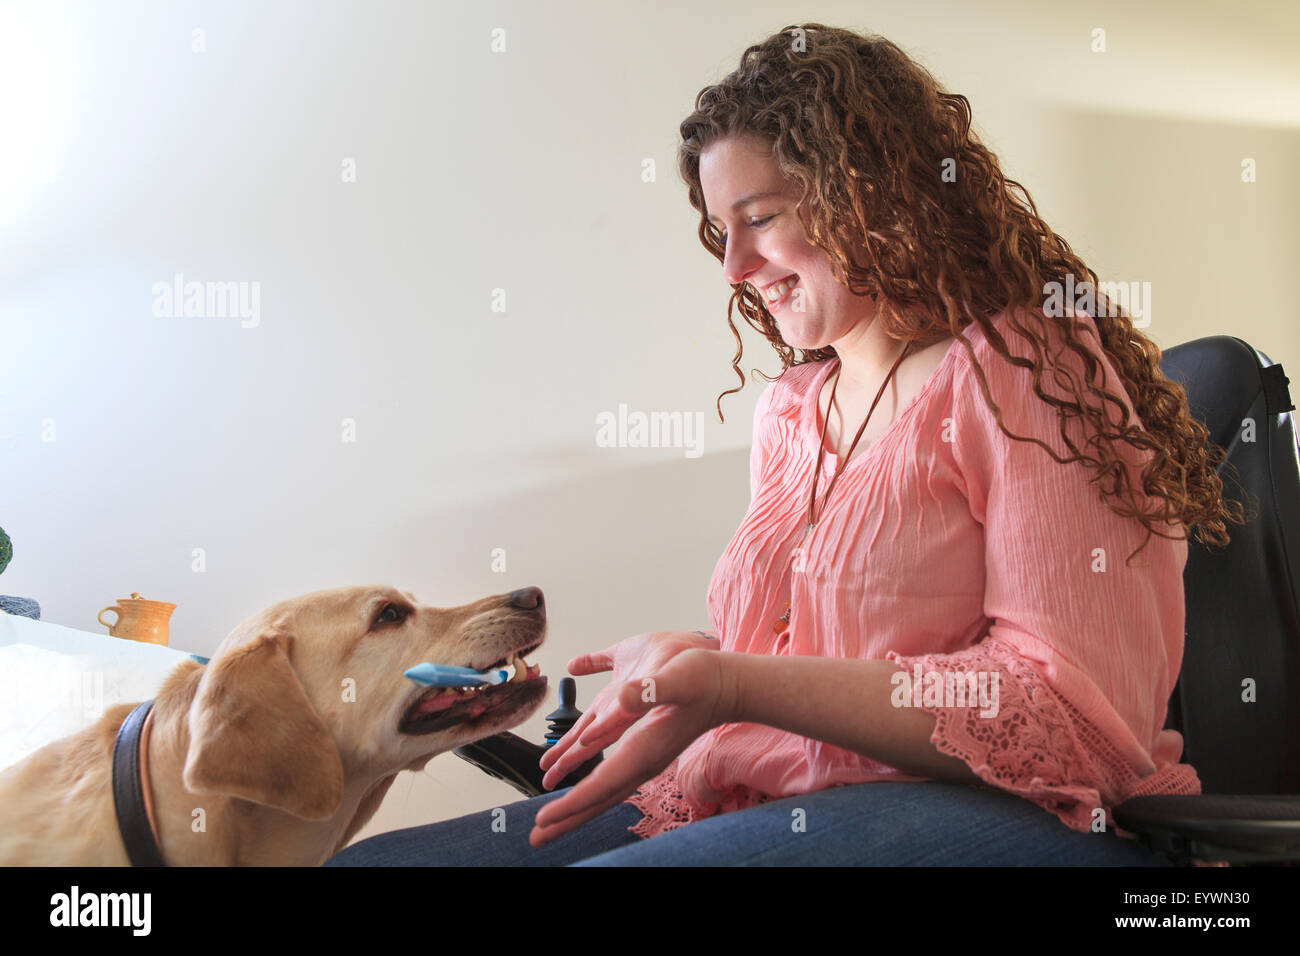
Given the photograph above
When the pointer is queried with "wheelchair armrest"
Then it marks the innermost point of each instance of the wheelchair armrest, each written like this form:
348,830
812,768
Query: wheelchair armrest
1216,828
510,758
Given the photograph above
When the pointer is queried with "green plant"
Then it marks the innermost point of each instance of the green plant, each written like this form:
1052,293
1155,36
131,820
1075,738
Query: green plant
6,550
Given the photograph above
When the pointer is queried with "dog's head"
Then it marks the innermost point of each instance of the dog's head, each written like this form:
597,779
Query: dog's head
312,691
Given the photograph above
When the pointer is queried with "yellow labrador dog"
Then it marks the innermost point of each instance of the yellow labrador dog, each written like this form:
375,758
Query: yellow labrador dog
282,747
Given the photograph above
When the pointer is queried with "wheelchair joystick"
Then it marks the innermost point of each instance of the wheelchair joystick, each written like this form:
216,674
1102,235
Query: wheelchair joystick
562,720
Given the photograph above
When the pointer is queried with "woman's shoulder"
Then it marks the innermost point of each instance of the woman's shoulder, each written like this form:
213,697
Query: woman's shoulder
1015,342
974,334
1011,385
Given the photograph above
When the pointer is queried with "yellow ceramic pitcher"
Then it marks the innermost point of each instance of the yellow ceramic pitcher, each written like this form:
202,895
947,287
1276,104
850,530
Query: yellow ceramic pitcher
140,620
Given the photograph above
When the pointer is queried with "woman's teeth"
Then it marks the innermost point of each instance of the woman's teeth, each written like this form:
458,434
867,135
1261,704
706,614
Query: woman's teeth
781,288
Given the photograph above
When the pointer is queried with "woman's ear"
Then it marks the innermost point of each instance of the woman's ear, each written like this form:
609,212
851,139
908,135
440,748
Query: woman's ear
256,736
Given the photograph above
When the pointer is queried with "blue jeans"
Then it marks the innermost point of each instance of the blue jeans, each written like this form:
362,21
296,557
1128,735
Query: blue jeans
930,823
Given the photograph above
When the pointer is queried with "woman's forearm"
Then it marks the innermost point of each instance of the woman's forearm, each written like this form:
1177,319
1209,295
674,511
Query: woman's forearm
845,703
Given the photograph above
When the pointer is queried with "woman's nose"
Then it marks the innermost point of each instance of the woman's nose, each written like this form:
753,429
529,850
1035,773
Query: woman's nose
739,263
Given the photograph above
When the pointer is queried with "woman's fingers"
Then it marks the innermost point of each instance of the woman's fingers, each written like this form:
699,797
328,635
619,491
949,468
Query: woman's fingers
675,708
624,703
593,663
561,746
589,740
603,723
563,767
607,785
576,756
540,836
614,719
647,750
572,750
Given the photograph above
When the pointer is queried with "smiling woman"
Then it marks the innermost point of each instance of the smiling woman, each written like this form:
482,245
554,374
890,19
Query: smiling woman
975,540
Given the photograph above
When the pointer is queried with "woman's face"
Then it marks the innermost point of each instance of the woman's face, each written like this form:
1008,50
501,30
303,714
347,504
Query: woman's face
765,243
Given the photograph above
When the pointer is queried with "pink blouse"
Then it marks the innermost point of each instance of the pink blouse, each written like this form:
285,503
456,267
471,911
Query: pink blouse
950,548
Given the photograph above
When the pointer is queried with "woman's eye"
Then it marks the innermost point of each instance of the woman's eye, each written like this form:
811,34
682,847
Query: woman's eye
756,223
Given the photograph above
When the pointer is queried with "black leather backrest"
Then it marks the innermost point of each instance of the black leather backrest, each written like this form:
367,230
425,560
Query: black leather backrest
1243,615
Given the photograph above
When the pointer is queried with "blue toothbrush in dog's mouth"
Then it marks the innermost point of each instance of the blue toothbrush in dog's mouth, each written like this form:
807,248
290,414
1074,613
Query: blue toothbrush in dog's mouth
445,675
463,695
511,669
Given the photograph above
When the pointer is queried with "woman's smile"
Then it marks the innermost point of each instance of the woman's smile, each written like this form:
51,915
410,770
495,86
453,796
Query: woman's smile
782,291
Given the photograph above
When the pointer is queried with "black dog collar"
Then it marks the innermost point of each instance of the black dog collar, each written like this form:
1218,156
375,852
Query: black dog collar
128,791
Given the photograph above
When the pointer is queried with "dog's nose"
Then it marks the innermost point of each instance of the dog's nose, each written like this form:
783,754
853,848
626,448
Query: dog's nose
529,599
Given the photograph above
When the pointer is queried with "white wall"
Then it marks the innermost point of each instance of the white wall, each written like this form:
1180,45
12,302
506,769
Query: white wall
128,440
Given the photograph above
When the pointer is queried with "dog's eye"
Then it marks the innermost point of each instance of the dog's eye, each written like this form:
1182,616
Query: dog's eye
397,614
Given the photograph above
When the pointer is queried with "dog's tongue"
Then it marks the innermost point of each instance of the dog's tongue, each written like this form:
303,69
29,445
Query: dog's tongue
444,700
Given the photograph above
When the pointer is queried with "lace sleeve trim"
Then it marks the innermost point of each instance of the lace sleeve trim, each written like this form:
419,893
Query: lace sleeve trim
664,807
1038,745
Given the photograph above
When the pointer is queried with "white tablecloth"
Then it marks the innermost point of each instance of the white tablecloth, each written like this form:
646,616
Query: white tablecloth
55,680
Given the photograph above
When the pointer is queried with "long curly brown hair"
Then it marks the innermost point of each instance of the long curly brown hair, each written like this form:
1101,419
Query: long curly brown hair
865,131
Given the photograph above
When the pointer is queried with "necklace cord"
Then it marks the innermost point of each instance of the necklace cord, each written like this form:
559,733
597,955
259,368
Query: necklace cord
811,514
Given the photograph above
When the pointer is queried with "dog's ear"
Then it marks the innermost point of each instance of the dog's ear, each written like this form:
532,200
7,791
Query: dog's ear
255,735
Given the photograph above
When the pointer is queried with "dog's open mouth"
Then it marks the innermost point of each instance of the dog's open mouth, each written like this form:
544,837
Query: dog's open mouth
439,708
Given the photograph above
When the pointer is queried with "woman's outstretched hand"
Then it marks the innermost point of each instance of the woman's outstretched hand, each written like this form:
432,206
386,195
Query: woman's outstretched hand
605,720
667,684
